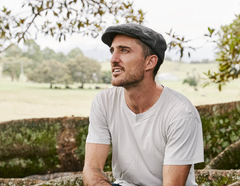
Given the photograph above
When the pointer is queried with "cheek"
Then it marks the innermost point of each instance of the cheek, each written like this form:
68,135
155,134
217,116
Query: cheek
134,62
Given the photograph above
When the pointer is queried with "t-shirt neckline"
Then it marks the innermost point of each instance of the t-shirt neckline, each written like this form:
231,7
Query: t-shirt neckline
150,111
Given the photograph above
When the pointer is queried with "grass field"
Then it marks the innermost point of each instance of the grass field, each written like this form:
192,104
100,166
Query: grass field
32,100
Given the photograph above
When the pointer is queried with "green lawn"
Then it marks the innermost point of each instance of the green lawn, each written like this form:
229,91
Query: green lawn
32,100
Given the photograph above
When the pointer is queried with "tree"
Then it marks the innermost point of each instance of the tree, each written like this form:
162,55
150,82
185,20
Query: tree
51,72
61,57
14,51
106,77
12,66
48,54
228,54
59,18
84,70
32,51
228,51
74,53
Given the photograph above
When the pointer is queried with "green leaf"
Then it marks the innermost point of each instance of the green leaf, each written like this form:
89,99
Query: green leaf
7,27
9,12
22,21
4,9
219,87
68,14
59,25
55,14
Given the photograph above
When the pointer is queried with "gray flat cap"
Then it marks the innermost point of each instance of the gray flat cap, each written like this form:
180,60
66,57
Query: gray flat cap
148,36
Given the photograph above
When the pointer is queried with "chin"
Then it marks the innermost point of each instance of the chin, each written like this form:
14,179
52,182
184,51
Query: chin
116,83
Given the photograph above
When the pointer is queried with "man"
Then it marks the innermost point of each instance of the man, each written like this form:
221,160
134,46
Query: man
155,132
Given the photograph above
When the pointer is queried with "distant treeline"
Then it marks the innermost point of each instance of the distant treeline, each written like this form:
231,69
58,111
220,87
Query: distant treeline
47,66
206,61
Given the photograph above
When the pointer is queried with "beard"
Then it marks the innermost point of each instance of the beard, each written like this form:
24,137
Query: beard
129,80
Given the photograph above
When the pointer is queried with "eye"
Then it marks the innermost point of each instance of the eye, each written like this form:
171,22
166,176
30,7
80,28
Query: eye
124,50
111,51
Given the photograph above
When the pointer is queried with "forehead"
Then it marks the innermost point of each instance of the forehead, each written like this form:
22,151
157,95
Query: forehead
124,40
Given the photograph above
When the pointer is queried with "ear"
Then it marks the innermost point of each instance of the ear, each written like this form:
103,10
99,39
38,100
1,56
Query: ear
151,62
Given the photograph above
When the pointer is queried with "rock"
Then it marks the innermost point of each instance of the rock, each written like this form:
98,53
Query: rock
217,177
46,177
203,178
17,181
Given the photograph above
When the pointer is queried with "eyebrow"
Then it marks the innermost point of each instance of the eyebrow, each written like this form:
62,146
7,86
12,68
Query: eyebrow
120,46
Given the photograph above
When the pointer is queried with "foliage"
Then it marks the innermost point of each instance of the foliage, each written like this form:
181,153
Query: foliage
106,77
55,67
12,66
51,72
61,57
27,148
216,178
30,146
84,70
221,128
228,54
48,54
227,159
59,18
32,51
74,53
25,143
192,80
14,51
228,51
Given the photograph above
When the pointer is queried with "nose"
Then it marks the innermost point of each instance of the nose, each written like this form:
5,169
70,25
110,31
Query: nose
115,57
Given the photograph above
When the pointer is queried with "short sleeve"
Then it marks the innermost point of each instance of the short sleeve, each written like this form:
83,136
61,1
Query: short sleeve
184,142
98,131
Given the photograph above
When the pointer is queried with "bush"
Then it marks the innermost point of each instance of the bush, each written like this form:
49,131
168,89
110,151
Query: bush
58,145
42,146
221,128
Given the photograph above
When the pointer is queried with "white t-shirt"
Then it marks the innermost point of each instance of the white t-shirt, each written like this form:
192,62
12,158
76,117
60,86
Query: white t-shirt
169,133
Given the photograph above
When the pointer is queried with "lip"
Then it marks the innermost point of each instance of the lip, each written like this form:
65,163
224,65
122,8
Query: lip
116,73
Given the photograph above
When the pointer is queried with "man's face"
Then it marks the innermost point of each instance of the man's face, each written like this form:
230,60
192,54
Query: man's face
127,62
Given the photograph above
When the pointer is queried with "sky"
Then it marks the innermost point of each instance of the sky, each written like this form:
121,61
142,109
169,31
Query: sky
188,18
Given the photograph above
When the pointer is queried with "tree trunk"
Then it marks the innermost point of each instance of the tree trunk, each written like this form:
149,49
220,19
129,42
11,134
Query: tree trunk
235,184
227,159
12,75
82,85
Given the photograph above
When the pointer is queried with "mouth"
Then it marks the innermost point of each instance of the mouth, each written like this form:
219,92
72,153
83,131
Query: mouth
116,71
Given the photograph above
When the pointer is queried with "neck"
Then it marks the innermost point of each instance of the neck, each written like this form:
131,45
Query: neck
141,98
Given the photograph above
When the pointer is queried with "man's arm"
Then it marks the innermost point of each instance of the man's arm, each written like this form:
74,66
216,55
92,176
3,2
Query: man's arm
175,175
95,157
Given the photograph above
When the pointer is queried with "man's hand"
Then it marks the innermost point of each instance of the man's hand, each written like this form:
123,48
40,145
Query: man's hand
95,157
175,175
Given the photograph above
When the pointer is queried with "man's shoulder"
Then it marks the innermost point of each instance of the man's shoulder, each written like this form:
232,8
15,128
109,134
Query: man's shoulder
177,96
110,91
178,103
109,94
